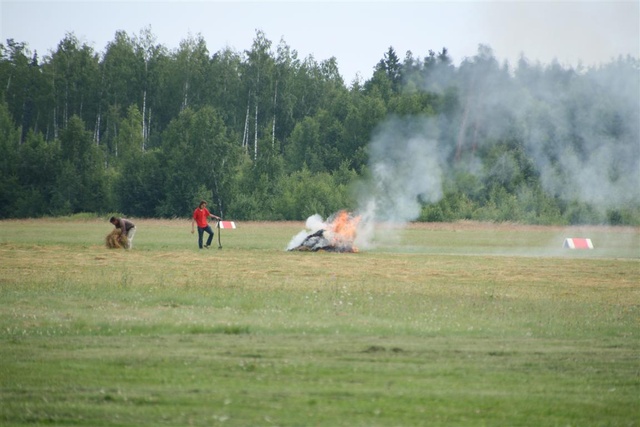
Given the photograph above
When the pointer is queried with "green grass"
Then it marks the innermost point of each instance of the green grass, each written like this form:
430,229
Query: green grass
464,324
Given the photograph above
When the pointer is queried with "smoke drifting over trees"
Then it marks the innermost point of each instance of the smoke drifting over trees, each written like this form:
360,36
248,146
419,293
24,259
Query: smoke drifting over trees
576,133
406,170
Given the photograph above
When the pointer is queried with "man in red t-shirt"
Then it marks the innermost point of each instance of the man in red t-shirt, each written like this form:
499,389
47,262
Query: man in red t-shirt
201,218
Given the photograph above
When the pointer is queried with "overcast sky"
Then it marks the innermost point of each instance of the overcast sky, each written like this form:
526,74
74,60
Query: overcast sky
357,33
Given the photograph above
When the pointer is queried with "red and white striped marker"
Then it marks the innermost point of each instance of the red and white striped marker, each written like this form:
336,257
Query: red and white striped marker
226,224
577,243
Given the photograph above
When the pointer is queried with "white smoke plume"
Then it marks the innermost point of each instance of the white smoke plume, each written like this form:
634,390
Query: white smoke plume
583,134
405,171
314,223
580,129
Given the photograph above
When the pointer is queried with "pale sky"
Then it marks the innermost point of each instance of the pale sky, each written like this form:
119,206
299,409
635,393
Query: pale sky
357,33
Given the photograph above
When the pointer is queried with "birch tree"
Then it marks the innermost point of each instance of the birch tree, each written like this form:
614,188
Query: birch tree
146,48
74,69
123,69
287,65
224,88
192,62
259,72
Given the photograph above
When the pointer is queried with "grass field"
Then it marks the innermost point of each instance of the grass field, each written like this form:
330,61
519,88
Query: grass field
437,325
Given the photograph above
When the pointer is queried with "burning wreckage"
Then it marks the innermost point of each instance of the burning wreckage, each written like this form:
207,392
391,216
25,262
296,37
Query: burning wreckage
337,234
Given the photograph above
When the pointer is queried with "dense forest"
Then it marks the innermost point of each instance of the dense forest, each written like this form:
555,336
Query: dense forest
262,134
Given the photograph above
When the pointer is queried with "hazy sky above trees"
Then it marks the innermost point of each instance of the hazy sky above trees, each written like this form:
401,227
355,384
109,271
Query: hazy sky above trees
357,33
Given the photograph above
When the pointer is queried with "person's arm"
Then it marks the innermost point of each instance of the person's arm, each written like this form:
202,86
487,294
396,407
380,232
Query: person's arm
208,214
193,222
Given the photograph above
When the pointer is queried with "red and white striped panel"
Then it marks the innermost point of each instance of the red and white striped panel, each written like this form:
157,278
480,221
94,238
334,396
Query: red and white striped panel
226,224
577,243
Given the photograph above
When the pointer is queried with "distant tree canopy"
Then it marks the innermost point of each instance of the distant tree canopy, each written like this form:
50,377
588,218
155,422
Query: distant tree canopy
265,135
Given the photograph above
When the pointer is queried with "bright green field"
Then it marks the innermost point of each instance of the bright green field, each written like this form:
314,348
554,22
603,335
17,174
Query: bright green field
443,325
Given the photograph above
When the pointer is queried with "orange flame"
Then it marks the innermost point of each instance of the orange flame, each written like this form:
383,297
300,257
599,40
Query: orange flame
342,230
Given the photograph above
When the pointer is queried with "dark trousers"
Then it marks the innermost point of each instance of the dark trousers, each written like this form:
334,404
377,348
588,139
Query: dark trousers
201,231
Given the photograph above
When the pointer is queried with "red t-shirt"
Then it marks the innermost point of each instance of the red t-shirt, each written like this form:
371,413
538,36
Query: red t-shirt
201,217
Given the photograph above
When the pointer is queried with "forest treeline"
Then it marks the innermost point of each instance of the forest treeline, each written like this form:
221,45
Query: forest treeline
262,134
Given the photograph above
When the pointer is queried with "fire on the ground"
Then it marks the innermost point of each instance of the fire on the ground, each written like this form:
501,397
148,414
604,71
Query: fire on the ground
337,234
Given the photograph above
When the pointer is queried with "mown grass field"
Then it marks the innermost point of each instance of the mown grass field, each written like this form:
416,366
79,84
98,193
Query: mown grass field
437,325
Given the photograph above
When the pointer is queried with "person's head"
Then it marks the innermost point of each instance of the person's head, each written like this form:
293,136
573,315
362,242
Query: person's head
113,220
203,204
